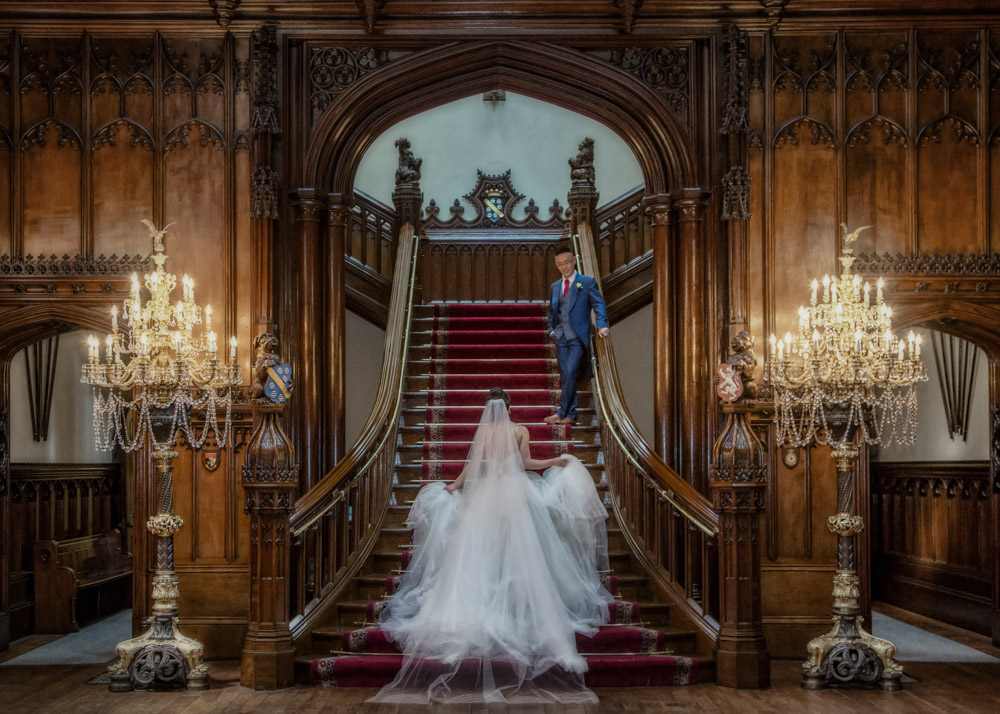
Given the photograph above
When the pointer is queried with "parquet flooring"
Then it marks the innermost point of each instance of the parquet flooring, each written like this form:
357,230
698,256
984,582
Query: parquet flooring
941,688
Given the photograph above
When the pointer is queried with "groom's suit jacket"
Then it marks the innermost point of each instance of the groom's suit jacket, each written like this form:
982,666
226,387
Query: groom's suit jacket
583,296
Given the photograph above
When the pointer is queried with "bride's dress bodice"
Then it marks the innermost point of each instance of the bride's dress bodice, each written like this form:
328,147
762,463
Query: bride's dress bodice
504,574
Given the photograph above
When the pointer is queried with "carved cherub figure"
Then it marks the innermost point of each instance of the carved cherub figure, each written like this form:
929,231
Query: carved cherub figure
743,361
582,165
409,165
265,348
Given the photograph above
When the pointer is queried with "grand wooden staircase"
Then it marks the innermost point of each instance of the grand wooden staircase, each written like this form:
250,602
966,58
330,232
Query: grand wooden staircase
324,562
456,353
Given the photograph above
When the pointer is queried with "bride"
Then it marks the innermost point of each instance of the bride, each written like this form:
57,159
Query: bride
503,576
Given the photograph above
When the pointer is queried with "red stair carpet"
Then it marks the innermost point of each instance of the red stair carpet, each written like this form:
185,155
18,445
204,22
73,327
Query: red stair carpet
475,348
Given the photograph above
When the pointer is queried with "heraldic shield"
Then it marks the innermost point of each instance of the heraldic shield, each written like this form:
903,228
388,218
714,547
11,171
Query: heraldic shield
279,383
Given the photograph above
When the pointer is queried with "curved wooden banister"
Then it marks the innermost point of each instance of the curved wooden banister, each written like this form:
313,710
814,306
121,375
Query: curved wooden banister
337,523
671,527
684,497
380,428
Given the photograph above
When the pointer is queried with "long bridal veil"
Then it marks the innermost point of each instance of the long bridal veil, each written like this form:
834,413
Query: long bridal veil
504,574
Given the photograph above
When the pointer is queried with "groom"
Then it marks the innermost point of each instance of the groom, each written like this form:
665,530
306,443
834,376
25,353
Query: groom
573,297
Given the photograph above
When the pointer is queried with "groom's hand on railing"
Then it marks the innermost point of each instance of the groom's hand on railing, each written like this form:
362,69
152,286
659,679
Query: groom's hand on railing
602,331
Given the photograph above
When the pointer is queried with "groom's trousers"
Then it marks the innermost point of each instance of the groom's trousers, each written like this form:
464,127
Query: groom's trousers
569,354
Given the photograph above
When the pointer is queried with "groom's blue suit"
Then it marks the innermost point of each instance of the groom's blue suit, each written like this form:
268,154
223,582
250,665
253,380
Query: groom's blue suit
569,323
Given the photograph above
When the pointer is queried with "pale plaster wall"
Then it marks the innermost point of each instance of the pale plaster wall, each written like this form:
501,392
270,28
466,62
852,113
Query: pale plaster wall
534,139
363,347
71,426
932,442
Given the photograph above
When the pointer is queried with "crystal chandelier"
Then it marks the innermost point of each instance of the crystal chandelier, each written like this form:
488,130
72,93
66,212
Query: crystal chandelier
845,361
170,373
846,376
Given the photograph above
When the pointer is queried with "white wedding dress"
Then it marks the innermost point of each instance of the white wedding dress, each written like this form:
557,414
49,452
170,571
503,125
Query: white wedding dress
504,574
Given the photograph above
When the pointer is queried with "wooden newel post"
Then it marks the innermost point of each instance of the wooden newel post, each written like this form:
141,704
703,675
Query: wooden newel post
738,484
583,193
270,483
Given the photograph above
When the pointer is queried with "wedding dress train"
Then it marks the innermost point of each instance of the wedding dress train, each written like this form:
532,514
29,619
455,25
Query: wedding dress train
504,574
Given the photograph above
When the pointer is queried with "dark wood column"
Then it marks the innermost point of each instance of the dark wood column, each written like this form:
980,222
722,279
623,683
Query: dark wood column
270,482
995,491
658,208
739,479
336,230
309,315
264,181
693,358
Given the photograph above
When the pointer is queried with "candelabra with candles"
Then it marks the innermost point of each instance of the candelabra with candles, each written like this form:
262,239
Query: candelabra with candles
169,375
844,377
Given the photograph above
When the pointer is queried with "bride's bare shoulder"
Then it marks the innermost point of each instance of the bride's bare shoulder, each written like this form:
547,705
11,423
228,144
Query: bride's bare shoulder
520,430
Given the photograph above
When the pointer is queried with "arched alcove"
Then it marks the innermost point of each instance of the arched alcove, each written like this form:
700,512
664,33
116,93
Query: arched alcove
564,77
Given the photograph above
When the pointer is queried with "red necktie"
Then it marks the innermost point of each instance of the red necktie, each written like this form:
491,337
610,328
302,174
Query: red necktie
565,286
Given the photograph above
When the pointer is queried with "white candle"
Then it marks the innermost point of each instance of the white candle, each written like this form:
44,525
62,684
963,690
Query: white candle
773,340
826,288
816,342
213,345
868,293
109,342
114,318
815,287
918,342
879,285
208,317
232,349
788,343
781,351
902,345
143,343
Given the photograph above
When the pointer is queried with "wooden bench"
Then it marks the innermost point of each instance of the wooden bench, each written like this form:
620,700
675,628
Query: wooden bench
93,565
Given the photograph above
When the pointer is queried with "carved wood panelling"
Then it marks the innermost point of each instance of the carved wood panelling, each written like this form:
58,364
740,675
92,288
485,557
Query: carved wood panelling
371,235
929,521
487,269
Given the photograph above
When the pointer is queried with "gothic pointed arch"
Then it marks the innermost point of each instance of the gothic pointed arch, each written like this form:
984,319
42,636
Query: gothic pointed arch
568,78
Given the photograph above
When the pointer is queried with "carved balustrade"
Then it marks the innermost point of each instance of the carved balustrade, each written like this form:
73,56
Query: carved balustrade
336,523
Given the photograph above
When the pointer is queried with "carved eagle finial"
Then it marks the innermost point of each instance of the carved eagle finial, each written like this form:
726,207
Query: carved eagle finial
851,237
156,233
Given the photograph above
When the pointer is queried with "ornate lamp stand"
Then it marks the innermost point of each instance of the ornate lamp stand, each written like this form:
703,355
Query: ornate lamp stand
169,376
845,377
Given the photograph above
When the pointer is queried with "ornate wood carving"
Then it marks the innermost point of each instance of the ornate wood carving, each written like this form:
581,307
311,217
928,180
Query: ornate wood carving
407,197
264,108
736,194
994,445
270,484
984,264
370,11
735,107
53,266
264,184
493,199
334,69
663,69
629,10
224,10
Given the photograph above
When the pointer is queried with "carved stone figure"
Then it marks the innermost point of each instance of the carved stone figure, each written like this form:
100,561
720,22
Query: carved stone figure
409,165
743,361
582,165
265,356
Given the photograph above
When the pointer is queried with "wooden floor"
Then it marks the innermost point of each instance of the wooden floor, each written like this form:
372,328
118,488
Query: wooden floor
940,688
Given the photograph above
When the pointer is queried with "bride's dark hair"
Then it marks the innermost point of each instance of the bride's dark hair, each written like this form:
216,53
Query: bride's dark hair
497,393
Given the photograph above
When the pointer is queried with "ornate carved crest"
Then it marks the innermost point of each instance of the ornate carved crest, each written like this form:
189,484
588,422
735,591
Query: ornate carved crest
210,459
729,387
494,199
